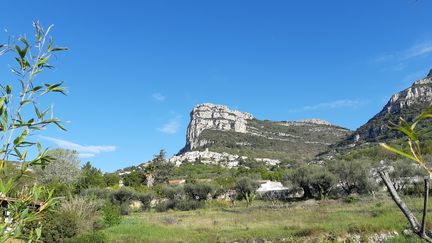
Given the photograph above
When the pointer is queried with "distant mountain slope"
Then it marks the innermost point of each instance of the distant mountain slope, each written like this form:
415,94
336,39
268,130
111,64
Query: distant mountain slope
408,104
219,129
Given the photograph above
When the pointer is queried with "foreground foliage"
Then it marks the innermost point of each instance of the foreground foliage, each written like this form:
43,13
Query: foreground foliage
20,117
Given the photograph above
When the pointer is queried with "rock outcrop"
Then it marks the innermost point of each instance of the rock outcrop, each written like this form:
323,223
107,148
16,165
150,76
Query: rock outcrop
216,130
222,159
214,117
408,104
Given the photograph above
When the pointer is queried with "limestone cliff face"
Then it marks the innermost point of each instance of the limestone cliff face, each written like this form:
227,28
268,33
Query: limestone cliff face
218,133
213,117
408,104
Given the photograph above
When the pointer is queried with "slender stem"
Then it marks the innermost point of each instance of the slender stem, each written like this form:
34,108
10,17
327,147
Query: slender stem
425,203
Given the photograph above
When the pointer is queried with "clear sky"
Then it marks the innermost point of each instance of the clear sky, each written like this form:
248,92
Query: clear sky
136,68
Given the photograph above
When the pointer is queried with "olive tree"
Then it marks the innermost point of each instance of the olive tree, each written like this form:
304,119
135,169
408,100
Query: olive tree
63,168
20,116
315,180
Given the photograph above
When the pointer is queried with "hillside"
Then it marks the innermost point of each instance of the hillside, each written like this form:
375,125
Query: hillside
407,103
216,129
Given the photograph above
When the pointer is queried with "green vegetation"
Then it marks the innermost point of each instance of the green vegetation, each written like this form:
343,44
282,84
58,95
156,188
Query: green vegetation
298,221
21,115
298,142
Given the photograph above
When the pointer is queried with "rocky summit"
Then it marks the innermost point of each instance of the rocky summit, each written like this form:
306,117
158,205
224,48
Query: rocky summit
219,134
407,103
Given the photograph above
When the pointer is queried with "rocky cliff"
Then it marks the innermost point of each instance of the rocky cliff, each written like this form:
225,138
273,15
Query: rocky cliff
408,104
214,117
218,132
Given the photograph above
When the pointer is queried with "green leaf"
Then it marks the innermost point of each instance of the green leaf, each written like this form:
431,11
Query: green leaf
2,101
58,49
23,40
60,126
397,151
38,114
24,102
43,61
21,138
8,89
37,88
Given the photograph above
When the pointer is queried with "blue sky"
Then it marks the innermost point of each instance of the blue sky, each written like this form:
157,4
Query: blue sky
136,68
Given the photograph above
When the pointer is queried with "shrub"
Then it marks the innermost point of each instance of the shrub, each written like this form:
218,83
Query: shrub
123,195
99,193
165,206
93,237
173,193
59,226
84,209
145,199
351,199
125,209
111,214
198,192
187,205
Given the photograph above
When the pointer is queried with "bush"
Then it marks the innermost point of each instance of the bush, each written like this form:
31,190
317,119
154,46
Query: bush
59,226
351,199
122,196
94,237
111,214
173,193
187,205
198,192
165,206
86,210
97,193
145,199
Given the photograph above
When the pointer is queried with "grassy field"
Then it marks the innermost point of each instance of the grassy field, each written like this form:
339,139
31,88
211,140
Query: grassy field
298,221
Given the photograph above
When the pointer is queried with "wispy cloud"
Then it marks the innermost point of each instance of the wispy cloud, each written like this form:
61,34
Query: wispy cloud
85,151
158,97
172,126
330,105
416,50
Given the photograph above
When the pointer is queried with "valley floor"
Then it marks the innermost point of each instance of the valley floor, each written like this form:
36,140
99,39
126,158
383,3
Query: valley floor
332,220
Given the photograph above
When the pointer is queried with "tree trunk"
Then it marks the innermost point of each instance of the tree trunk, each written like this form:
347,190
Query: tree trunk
415,226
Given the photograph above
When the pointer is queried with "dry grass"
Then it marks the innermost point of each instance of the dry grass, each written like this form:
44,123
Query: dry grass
292,222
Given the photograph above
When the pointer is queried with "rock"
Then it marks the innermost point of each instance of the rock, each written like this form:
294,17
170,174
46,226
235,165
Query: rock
135,204
209,157
407,103
316,121
407,232
217,117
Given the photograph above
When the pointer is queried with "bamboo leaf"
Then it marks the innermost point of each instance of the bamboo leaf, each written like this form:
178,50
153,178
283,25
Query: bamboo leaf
397,151
43,61
20,139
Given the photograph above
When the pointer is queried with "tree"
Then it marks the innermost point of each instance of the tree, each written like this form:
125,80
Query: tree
198,192
135,179
353,175
403,172
20,116
414,153
245,188
316,181
64,167
161,168
111,179
90,177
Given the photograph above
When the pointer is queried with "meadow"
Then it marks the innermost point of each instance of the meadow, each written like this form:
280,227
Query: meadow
320,221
